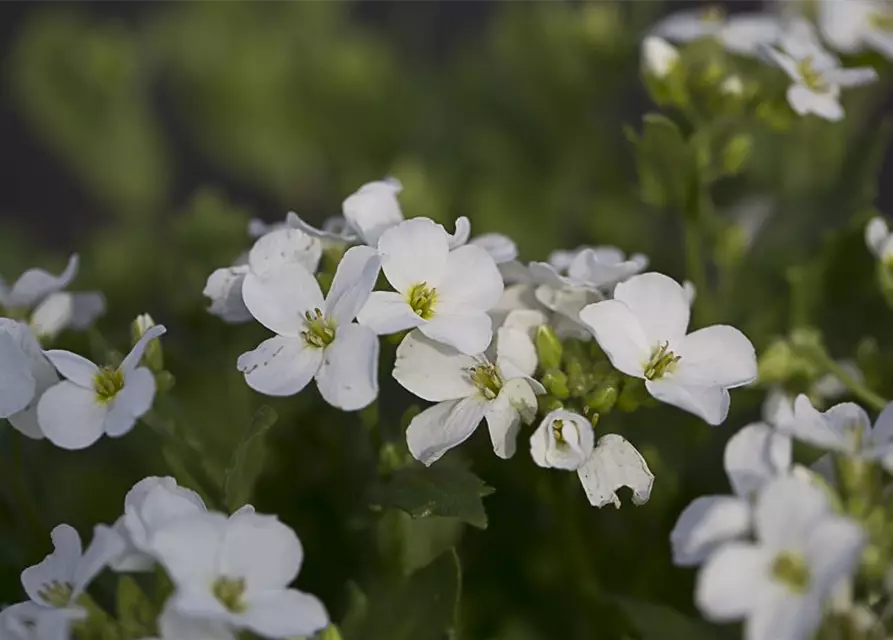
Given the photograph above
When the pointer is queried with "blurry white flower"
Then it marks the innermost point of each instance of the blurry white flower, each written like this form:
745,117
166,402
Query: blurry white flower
566,304
316,338
754,456
272,250
60,578
25,374
173,625
816,73
587,268
236,571
732,86
643,332
659,57
39,294
741,33
879,239
779,582
565,440
258,228
31,621
446,294
851,26
501,248
91,401
467,389
150,505
689,291
515,297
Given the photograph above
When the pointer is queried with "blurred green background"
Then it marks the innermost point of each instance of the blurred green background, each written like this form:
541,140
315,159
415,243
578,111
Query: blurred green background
145,135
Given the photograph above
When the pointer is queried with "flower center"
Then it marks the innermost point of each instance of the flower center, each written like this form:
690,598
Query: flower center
558,431
813,80
320,331
487,380
881,20
422,300
791,570
229,592
662,361
56,594
107,383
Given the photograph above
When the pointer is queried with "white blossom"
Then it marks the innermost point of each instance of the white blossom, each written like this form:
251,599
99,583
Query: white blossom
93,401
60,578
587,268
31,621
257,228
445,293
275,248
754,456
659,57
742,33
235,571
816,74
879,239
25,374
173,625
779,582
566,440
851,26
316,337
643,332
468,389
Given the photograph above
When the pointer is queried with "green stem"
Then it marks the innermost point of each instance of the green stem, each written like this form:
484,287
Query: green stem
696,270
856,387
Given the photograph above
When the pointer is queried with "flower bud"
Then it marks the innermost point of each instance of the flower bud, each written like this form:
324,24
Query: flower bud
152,357
555,382
659,57
546,403
563,440
632,395
548,347
736,153
605,396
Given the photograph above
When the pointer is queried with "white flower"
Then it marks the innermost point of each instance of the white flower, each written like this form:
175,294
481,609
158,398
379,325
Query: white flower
643,332
587,268
467,389
879,239
258,228
315,338
778,583
25,374
236,570
742,33
689,291
565,440
150,505
91,401
446,294
173,625
31,621
753,456
272,250
516,297
60,578
732,86
816,74
368,212
850,26
51,310
844,428
659,57
566,304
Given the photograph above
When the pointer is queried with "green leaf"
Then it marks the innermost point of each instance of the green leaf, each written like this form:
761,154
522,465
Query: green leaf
136,614
665,163
421,607
445,489
658,622
247,461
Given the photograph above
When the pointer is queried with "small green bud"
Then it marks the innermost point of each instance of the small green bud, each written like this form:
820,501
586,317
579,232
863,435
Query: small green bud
578,382
604,397
548,347
165,381
632,395
736,153
555,381
776,363
153,356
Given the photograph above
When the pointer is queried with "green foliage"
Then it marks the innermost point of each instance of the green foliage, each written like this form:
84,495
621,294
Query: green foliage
247,461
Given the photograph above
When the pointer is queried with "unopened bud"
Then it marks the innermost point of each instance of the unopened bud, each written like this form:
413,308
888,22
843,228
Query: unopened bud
631,395
548,347
547,404
603,399
152,357
555,382
659,57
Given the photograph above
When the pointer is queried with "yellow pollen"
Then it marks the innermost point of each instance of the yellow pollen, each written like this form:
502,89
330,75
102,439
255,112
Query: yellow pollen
813,80
56,594
791,570
662,361
487,380
229,592
107,383
422,299
320,331
558,431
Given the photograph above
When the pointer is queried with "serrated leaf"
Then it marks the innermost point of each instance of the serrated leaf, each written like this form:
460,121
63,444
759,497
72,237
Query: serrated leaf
420,607
136,614
659,622
245,465
441,490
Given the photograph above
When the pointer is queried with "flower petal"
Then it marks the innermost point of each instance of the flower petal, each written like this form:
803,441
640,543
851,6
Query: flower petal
280,366
224,288
132,360
787,509
70,415
472,282
516,402
172,625
883,427
730,582
348,376
189,549
284,247
782,615
285,614
448,424
73,367
710,404
876,234
261,549
388,312
373,209
17,383
808,425
354,279
613,464
106,545
833,549
620,335
35,284
853,76
754,456
469,333
281,298
460,236
500,247
431,370
705,525
715,356
414,252
659,304
804,101
60,565
132,402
